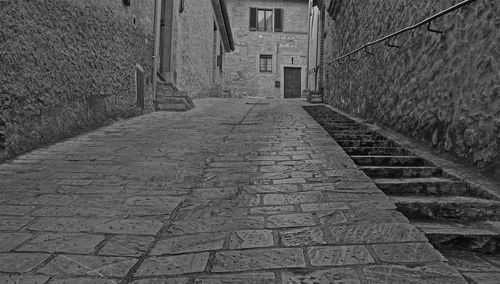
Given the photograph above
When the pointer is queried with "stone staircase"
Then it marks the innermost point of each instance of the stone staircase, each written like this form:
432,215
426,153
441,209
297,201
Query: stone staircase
450,214
169,98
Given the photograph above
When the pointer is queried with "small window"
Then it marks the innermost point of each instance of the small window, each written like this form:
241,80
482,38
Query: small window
266,63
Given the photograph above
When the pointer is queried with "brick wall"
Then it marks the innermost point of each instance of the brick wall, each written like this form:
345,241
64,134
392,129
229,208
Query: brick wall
242,74
68,66
441,89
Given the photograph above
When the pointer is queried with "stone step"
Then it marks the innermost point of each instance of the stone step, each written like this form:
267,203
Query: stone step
171,107
425,186
377,151
367,143
482,236
346,136
401,172
447,207
174,101
402,161
351,132
348,129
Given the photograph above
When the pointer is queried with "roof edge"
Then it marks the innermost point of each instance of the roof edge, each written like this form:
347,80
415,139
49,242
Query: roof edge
227,23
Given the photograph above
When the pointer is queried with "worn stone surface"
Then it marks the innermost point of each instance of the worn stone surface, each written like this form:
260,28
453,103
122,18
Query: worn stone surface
290,220
63,242
326,276
216,225
292,198
339,255
327,206
435,273
16,279
407,252
80,265
272,210
175,280
170,192
192,243
302,236
251,239
13,223
20,262
243,260
9,241
375,233
248,278
117,226
123,245
84,280
173,265
483,278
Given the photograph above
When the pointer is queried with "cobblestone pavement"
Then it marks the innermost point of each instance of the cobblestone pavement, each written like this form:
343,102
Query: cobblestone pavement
230,192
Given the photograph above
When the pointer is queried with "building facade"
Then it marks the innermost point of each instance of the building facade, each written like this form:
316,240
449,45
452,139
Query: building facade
439,88
194,36
270,48
68,66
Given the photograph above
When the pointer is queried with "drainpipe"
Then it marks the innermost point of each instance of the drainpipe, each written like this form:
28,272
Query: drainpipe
156,51
308,44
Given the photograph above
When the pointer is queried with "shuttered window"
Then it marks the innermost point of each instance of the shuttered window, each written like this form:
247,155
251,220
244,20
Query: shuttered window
266,20
278,20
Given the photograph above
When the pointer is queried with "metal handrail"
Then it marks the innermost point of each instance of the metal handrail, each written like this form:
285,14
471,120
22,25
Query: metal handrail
387,38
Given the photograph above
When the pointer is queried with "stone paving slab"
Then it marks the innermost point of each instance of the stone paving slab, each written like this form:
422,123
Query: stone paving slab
225,193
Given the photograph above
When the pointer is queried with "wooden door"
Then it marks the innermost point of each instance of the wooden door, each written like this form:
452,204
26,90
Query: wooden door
292,84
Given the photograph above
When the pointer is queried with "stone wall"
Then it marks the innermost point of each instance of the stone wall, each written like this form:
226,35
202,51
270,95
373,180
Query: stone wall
196,53
443,89
68,66
242,70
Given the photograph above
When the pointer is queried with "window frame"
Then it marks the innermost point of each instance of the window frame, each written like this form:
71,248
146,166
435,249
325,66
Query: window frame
269,63
266,11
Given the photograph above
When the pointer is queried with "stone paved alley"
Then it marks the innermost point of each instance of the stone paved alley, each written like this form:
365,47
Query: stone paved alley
234,191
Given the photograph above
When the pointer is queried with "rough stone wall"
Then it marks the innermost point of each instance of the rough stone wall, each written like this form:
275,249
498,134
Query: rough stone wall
443,89
67,66
194,56
242,70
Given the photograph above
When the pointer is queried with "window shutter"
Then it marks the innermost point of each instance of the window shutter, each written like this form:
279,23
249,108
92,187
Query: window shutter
253,19
278,20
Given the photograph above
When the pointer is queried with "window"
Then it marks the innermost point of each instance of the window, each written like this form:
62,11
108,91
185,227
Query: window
266,63
266,20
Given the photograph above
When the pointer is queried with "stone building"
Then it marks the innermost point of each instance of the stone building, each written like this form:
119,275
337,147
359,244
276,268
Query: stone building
440,88
194,36
270,48
67,66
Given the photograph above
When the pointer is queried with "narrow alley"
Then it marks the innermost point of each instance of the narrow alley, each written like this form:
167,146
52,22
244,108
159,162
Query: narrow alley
258,193
249,142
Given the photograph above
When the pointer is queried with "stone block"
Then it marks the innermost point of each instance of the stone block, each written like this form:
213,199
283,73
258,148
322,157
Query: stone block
257,259
173,265
339,255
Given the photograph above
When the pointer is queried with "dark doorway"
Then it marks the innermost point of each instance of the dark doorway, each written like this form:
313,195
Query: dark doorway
166,22
292,82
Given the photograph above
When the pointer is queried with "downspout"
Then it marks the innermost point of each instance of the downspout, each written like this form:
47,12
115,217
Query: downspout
156,51
308,44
